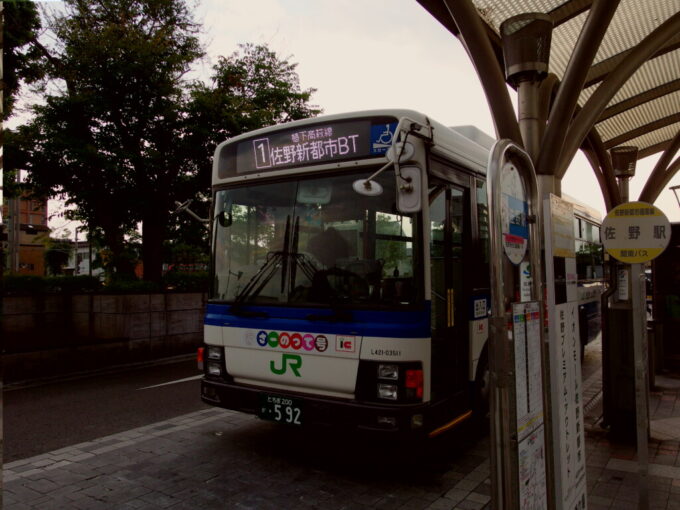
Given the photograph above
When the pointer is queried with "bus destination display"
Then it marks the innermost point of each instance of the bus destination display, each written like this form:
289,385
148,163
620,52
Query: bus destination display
315,144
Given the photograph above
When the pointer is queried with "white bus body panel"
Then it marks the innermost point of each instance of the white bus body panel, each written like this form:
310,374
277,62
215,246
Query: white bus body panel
331,372
401,349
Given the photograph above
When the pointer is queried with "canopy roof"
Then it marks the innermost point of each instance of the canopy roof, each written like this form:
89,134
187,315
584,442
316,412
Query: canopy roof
646,110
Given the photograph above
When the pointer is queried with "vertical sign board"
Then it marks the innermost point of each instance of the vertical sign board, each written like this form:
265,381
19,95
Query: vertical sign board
518,446
565,377
531,454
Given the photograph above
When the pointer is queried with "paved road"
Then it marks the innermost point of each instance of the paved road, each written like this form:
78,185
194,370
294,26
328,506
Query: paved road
42,418
127,447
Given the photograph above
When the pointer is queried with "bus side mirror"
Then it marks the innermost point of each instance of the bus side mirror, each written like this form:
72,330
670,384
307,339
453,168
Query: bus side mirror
409,189
224,219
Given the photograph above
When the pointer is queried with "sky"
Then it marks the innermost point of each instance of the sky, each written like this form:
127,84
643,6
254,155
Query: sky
380,54
363,55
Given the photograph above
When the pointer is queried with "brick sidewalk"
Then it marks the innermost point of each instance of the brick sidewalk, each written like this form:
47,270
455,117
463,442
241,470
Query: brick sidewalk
612,469
222,459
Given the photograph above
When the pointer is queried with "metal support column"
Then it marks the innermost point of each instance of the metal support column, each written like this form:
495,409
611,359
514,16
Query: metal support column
572,83
641,383
481,53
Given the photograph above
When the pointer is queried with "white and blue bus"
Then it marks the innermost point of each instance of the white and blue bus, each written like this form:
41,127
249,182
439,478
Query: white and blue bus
350,273
590,270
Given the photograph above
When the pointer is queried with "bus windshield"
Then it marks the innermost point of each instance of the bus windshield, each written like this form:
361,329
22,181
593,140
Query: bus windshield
314,241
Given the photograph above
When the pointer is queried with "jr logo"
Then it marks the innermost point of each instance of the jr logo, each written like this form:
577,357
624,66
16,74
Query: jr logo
287,360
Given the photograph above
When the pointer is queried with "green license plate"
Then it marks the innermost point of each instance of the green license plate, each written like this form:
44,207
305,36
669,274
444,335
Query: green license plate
280,409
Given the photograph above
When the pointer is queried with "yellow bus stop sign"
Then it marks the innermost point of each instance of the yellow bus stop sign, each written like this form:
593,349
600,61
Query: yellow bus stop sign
635,232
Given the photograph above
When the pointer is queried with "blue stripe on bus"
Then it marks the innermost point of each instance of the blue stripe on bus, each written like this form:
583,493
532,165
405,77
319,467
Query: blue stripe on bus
378,323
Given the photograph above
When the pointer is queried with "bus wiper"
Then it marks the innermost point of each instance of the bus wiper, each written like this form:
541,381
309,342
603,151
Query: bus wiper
262,277
275,259
305,264
299,259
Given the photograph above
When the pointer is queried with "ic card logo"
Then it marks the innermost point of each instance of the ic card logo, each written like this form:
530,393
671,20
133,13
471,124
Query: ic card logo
345,343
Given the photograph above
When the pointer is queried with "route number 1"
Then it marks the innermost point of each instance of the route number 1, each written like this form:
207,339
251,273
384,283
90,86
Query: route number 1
261,152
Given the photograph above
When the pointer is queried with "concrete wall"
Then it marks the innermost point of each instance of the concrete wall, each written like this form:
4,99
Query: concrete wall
50,335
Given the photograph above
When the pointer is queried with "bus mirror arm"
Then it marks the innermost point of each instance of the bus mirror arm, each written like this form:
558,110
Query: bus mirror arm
395,153
184,207
368,187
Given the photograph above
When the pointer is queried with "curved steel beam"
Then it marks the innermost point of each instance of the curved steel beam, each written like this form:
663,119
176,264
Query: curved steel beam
589,153
587,117
643,97
477,44
546,94
642,130
653,149
657,179
606,179
599,71
572,83
569,10
665,179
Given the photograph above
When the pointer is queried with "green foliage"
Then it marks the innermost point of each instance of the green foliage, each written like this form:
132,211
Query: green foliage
250,89
172,281
132,287
109,137
198,281
22,60
23,284
26,284
124,134
184,253
57,253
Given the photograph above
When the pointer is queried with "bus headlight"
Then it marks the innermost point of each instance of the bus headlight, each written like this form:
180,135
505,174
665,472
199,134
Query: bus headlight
214,352
387,391
390,372
214,368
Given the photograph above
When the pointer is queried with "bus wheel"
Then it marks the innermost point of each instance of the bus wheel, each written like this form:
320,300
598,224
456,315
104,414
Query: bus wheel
482,389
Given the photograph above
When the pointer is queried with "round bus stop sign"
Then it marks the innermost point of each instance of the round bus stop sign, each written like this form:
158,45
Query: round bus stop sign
635,232
514,230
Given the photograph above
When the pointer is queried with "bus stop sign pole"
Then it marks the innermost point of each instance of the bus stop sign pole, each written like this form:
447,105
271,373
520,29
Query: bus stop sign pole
520,467
635,233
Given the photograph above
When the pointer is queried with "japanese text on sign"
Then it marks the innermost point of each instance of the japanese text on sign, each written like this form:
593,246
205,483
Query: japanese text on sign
635,232
304,150
277,149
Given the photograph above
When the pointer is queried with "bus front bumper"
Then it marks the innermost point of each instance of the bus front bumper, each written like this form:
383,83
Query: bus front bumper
399,420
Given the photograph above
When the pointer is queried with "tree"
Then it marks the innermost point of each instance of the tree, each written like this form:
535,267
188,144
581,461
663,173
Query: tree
22,61
126,135
107,137
250,89
57,253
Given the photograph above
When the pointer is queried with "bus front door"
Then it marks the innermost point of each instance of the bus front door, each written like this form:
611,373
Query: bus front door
449,248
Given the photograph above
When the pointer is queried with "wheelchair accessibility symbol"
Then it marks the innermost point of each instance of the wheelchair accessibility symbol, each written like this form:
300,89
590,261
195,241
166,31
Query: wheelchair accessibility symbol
381,137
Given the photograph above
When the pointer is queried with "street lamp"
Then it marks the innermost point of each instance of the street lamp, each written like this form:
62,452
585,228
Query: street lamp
624,158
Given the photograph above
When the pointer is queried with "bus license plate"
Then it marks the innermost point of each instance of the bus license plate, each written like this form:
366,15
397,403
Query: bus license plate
280,409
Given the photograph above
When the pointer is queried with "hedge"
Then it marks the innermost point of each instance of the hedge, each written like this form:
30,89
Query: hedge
172,281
